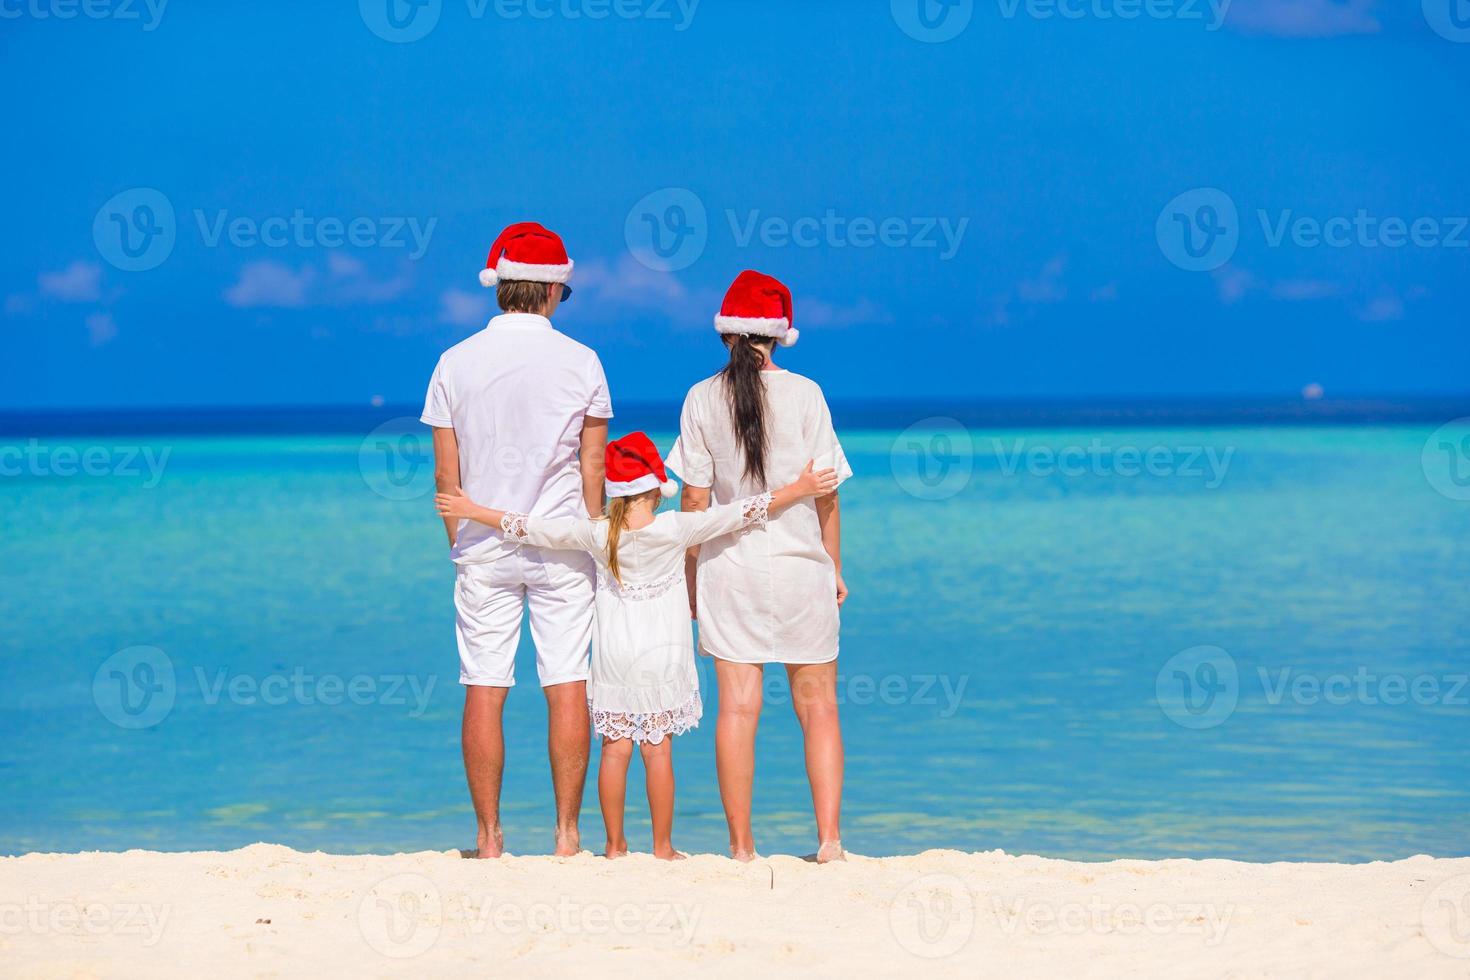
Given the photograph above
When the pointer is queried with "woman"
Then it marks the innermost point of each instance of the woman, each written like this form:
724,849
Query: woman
768,595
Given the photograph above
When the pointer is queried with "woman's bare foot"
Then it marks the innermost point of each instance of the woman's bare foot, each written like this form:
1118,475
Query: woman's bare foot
616,849
490,844
669,854
829,851
742,855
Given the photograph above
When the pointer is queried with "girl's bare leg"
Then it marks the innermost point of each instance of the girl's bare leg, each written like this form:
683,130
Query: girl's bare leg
612,791
658,768
740,713
814,696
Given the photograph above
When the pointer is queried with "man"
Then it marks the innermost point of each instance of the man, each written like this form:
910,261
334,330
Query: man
520,422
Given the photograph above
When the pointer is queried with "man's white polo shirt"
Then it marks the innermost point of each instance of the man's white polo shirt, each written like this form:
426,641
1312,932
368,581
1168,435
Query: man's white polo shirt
516,395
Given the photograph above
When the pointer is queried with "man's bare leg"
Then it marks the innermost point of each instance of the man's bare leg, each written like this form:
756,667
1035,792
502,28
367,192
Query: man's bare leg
814,696
483,743
740,714
569,744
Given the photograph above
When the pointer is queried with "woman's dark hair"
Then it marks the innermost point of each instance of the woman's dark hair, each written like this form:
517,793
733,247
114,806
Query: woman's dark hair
746,392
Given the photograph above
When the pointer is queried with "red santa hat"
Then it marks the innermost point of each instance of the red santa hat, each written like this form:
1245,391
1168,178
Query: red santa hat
635,466
527,251
758,305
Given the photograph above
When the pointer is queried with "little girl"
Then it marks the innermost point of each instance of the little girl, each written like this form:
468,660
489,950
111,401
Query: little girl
644,689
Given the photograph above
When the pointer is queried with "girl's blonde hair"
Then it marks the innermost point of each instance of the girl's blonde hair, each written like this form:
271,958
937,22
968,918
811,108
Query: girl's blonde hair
617,519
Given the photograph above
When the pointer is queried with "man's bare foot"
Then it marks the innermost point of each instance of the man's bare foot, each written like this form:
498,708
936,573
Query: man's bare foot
669,854
831,850
742,855
568,843
618,849
490,844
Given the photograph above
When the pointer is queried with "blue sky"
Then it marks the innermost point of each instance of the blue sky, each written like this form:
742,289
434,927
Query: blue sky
1001,213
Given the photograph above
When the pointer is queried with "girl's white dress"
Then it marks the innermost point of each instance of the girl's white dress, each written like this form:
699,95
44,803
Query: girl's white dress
644,685
768,598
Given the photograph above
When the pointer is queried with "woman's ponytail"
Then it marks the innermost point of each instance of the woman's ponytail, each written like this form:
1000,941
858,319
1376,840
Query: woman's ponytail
746,392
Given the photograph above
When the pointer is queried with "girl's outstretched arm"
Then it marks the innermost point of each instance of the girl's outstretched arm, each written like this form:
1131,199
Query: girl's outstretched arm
753,511
563,533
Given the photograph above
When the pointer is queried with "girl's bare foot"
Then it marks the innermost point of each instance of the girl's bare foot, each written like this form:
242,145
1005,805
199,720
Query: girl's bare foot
829,851
490,844
616,849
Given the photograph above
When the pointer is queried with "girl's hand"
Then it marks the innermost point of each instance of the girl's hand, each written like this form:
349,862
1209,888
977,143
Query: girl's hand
455,504
815,484
841,591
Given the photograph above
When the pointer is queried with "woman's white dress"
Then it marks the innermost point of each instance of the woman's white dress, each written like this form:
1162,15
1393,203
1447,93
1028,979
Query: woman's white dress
643,685
768,598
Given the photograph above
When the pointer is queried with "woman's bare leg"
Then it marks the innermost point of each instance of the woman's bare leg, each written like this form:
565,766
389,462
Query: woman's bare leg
814,696
612,791
658,770
740,713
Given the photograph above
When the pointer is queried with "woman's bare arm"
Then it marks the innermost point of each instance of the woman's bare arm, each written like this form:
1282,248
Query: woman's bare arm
693,499
829,514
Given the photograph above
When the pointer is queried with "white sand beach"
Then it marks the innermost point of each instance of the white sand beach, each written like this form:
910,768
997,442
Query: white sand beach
267,910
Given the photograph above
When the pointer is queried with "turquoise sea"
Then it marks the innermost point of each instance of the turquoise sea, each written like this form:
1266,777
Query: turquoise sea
1087,642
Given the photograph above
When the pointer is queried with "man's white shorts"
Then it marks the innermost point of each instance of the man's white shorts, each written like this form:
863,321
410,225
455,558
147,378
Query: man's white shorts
489,597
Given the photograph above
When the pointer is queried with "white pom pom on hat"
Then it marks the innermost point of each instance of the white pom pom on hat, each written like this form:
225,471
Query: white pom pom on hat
668,488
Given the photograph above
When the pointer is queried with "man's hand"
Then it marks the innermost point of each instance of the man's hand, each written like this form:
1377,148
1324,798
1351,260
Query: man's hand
446,472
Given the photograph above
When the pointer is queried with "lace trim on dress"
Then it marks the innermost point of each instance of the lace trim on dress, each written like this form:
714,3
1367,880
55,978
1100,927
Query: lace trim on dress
640,591
514,525
652,727
757,512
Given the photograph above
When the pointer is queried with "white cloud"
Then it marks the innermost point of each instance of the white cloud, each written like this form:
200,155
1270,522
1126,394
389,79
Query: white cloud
270,283
1304,18
101,327
819,313
18,303
344,282
80,282
1048,287
463,308
1382,309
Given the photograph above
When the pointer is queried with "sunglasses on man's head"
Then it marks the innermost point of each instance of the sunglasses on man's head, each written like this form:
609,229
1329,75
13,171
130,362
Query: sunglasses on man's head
566,292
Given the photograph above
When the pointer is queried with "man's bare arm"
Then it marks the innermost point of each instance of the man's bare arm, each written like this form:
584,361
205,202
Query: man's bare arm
829,515
446,471
594,464
693,499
